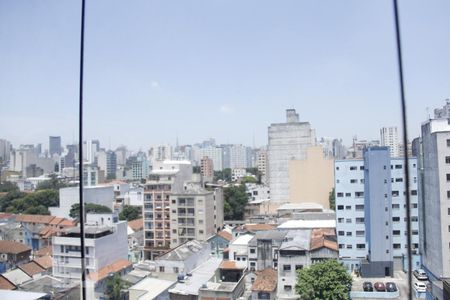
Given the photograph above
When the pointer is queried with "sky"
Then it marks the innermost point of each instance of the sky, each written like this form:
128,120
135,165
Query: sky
156,70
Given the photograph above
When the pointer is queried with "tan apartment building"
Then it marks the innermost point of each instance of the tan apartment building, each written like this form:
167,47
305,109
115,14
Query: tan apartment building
311,179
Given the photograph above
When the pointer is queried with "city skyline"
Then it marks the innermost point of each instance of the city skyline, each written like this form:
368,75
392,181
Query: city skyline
334,63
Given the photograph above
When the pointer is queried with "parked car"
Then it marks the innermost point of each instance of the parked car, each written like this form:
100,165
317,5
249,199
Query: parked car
420,287
391,287
420,274
379,287
367,287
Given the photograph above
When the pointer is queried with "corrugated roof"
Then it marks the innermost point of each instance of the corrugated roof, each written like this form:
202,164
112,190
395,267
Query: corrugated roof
17,276
115,267
44,251
32,268
230,265
183,251
13,247
266,281
5,284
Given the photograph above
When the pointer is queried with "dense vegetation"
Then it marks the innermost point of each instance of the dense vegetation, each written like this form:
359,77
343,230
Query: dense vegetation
327,280
332,199
88,208
18,202
130,213
236,199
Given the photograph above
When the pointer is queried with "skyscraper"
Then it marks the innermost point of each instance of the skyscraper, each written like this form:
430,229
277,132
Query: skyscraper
287,141
54,145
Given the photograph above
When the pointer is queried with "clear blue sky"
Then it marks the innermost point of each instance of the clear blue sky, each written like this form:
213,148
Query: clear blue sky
217,68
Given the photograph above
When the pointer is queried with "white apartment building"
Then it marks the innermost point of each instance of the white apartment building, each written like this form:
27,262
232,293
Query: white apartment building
5,150
105,242
238,156
287,141
195,214
350,210
434,202
389,138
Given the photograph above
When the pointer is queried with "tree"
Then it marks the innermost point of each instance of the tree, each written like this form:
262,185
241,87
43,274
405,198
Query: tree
130,213
34,203
249,179
332,199
113,286
326,280
88,208
54,183
7,186
196,169
236,199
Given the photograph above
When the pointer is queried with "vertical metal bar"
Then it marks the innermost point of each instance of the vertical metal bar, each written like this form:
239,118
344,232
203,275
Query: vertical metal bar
405,145
80,165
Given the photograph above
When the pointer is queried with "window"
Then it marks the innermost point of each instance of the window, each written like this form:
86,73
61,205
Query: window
340,220
361,168
448,177
359,232
359,220
414,192
348,207
340,194
288,288
398,179
175,270
359,194
353,180
398,166
342,245
353,168
337,168
395,193
359,207
341,233
349,233
448,194
395,206
395,219
360,246
396,232
361,181
252,251
348,220
349,247
348,194
340,207
298,267
286,267
161,269
447,159
448,143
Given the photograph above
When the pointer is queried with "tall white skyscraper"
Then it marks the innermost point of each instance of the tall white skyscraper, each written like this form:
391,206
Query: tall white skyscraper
287,141
389,138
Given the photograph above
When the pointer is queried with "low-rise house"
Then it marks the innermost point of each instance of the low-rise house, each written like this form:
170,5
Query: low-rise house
265,285
17,276
33,269
238,249
220,241
151,288
45,262
302,248
135,239
13,254
184,258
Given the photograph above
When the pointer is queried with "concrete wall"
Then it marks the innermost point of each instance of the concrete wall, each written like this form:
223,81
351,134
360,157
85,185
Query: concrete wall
312,179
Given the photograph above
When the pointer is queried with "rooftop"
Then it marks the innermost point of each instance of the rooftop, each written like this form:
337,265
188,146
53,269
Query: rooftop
17,276
183,251
115,267
13,247
243,239
32,268
297,240
201,275
305,224
152,287
225,235
301,206
266,280
40,219
231,265
45,262
137,224
5,284
274,235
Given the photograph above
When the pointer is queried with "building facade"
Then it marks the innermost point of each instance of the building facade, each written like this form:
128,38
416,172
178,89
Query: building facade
350,210
287,141
389,138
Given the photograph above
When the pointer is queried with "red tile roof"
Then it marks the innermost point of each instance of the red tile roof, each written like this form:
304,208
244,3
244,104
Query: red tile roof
56,221
45,262
137,224
32,268
47,232
226,235
39,219
323,237
5,284
13,247
255,227
266,281
44,251
115,267
229,265
67,223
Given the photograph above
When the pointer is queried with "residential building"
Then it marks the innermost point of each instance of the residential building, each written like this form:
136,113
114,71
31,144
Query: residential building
13,254
238,156
207,169
5,151
105,242
389,138
261,163
287,141
151,288
160,153
90,149
167,177
263,250
54,145
303,174
195,213
214,153
352,222
444,112
140,168
238,249
300,249
220,241
265,284
358,146
237,174
92,175
434,204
